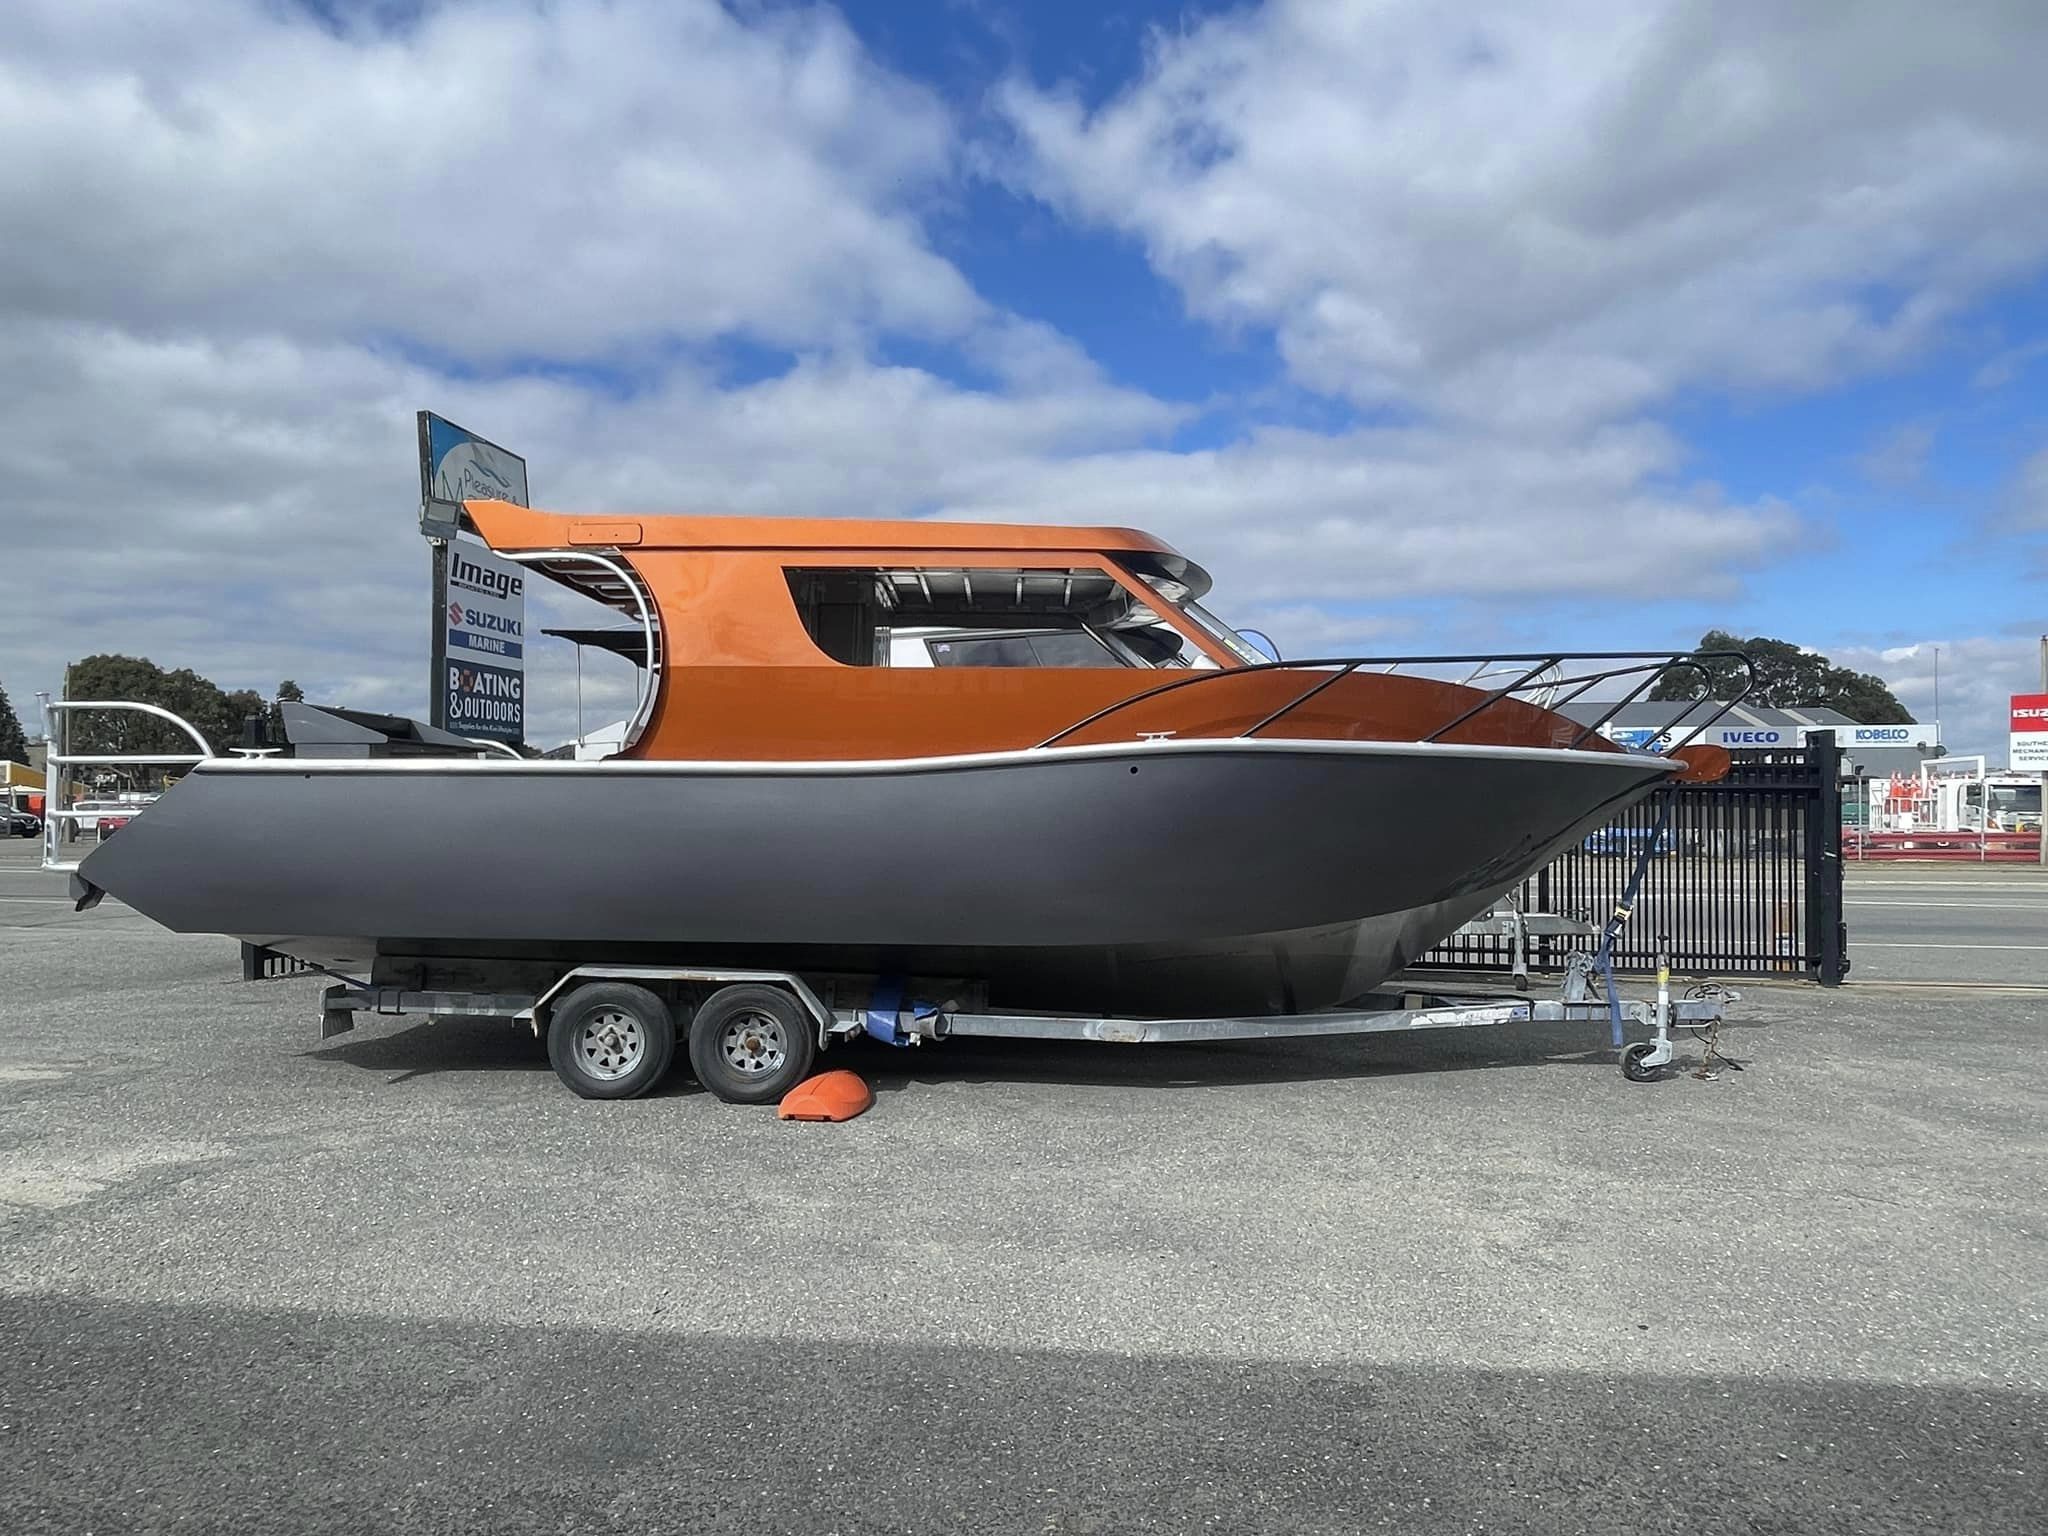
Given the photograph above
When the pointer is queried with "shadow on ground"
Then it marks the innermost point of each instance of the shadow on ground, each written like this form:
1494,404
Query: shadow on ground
144,1418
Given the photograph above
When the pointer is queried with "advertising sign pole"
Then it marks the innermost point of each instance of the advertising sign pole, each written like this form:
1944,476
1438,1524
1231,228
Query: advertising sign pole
437,621
2044,771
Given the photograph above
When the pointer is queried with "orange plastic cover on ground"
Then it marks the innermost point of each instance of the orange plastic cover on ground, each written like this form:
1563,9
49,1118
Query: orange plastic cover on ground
835,1095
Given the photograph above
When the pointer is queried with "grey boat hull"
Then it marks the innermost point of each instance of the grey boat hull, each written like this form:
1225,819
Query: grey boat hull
1217,877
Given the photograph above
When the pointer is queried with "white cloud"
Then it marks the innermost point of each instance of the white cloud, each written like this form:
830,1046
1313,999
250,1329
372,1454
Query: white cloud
1398,512
1897,459
1977,675
497,181
2030,492
1549,216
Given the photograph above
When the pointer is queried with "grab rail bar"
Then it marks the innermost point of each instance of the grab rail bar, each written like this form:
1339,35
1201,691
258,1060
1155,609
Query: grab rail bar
1652,667
650,630
57,732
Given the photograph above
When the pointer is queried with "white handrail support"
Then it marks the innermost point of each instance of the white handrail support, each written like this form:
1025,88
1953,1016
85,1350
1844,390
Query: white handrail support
650,674
58,756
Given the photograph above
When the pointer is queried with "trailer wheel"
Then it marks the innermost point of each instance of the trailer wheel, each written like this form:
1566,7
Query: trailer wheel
751,1044
609,1040
1632,1066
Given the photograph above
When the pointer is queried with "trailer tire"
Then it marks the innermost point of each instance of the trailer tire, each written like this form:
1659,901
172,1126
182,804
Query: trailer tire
751,1044
611,1040
1632,1066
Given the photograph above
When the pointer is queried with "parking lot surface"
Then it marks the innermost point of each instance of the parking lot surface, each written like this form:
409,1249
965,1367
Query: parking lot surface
404,1281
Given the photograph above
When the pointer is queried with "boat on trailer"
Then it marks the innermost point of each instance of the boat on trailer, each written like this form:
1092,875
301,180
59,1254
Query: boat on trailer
992,771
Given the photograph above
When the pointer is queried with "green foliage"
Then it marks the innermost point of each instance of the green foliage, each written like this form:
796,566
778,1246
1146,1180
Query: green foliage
1787,677
287,691
13,744
217,714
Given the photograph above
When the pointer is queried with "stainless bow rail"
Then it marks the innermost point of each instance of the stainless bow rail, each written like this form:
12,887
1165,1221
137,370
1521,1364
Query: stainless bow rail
1544,674
57,731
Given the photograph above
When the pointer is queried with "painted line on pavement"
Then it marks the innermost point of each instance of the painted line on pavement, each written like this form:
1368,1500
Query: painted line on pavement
1974,906
1856,943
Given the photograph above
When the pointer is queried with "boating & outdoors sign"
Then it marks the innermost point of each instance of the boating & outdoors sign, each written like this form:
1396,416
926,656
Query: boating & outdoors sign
2029,746
479,685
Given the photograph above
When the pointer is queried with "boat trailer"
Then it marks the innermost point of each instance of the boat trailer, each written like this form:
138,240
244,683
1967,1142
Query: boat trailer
737,1045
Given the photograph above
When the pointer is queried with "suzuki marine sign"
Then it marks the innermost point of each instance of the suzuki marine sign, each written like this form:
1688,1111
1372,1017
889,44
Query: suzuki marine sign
2029,753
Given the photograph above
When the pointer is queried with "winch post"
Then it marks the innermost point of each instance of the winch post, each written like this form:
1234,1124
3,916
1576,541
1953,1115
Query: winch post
1603,956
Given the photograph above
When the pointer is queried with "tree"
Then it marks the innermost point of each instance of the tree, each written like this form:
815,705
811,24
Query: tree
218,715
1787,677
288,692
13,744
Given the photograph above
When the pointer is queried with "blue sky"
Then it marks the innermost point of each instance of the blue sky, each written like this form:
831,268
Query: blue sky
1589,323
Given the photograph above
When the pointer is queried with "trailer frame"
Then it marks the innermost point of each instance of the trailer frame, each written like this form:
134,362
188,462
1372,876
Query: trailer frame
1587,995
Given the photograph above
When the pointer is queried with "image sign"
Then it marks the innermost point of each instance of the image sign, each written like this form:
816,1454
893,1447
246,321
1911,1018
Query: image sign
2029,753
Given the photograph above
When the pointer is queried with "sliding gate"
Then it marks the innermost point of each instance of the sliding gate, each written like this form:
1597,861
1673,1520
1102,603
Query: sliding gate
1744,880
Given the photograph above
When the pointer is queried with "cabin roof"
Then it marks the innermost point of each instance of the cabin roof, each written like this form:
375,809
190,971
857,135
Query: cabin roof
508,527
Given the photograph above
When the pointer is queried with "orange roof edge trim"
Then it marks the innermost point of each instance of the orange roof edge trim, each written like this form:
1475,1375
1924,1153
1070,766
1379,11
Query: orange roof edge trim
507,526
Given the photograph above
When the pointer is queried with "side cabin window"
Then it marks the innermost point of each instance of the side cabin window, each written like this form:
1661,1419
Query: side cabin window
922,616
1044,648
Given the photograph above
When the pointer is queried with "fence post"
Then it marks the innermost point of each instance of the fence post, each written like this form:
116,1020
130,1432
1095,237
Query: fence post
1825,934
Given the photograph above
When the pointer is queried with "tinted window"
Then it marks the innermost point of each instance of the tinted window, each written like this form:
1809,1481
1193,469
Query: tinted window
987,651
1073,648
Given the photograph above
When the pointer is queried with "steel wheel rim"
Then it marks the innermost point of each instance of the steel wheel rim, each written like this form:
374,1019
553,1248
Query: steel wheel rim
753,1043
610,1044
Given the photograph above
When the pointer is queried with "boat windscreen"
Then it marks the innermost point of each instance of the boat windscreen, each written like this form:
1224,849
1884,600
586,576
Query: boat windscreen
1175,594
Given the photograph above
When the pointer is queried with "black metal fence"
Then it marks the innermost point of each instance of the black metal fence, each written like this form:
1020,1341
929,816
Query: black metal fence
1745,880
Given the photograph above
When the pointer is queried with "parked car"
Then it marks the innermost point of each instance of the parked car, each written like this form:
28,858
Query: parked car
99,818
14,823
1631,841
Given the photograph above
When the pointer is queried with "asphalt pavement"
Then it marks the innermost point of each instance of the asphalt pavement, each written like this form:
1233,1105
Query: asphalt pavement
404,1281
1948,922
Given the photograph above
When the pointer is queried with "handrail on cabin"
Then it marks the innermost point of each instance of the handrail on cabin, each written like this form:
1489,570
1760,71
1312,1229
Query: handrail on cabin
1652,667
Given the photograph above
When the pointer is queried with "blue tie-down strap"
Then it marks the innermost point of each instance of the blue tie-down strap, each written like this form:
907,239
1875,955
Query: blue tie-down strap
883,1017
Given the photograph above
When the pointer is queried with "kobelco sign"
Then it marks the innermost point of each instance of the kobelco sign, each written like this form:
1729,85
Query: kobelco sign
1911,734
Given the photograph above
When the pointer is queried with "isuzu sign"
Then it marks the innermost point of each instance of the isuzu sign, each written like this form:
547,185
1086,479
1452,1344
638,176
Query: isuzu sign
2029,753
